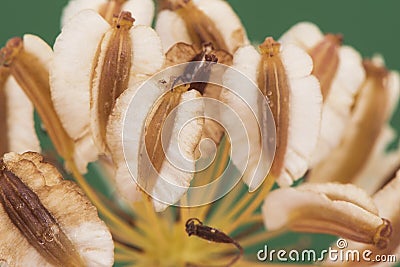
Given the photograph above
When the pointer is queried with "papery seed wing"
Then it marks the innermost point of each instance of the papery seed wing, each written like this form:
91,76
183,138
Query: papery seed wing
75,6
304,114
125,178
21,134
148,56
172,29
20,120
303,34
173,178
71,72
245,60
369,115
326,208
381,162
337,107
65,201
142,10
226,21
126,56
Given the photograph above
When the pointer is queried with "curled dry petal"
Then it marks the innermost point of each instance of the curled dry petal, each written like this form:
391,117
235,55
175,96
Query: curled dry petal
370,112
282,73
343,210
199,22
48,219
145,146
28,62
109,58
340,73
142,10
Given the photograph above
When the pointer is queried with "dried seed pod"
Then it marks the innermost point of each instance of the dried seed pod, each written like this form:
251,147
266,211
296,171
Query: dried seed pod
16,117
340,73
389,194
27,62
199,22
282,73
373,106
343,210
109,59
142,10
183,53
150,143
48,219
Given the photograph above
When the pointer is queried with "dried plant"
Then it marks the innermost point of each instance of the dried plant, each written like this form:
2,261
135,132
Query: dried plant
188,127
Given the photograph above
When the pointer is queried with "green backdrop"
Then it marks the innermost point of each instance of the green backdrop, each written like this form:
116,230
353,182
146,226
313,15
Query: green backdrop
371,26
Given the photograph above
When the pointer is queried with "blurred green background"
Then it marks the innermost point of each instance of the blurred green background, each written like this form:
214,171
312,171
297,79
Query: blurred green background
371,26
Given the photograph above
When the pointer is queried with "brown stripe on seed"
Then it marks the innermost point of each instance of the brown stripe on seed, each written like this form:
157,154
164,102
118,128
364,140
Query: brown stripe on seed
35,222
4,141
153,130
369,113
325,57
273,83
200,27
115,69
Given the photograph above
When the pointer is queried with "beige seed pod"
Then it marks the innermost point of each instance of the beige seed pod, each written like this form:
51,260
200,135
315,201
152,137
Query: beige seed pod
343,210
146,152
142,10
388,194
361,156
46,221
183,53
340,72
109,60
27,63
282,73
199,22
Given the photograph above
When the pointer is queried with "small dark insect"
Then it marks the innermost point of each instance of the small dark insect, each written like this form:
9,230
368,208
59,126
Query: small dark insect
195,227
